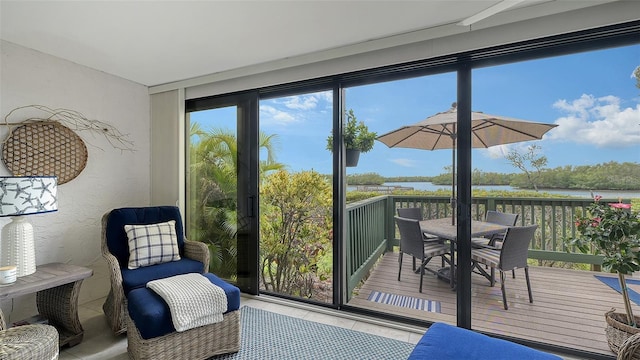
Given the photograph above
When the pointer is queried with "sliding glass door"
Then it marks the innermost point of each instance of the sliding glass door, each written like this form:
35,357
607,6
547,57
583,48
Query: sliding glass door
268,195
392,177
221,187
296,224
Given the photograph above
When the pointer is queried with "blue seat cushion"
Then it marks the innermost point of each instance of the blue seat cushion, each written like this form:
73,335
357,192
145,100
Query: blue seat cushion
151,313
138,278
444,342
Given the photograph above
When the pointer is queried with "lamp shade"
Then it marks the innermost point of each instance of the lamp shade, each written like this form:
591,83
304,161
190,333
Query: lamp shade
21,196
26,195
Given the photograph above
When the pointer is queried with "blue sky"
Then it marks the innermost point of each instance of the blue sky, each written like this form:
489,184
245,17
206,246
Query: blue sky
591,96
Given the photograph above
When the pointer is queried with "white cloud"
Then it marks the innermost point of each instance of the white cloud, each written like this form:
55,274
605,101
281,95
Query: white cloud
293,109
597,121
501,151
326,96
305,102
496,152
272,116
405,162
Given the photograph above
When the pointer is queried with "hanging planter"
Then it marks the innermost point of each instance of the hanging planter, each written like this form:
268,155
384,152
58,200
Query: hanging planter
352,157
357,139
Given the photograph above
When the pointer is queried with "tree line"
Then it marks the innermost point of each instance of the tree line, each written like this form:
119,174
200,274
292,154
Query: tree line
606,176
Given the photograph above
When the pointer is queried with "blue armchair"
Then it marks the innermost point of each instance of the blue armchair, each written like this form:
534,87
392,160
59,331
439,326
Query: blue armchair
193,257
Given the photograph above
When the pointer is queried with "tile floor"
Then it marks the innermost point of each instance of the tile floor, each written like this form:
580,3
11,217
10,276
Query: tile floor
100,344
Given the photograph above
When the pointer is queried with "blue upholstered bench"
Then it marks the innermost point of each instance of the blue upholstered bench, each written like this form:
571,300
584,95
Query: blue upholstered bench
445,342
151,334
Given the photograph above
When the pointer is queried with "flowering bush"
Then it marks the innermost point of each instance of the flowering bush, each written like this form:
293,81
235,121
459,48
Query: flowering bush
613,231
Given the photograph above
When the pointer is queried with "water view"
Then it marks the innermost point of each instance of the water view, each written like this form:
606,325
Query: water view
609,194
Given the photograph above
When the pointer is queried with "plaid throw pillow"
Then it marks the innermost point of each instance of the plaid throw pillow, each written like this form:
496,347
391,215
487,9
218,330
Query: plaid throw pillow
152,244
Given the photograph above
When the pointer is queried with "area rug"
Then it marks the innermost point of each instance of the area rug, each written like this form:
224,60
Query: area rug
405,301
269,336
613,283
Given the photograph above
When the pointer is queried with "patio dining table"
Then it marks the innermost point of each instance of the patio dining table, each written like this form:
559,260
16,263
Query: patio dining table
444,229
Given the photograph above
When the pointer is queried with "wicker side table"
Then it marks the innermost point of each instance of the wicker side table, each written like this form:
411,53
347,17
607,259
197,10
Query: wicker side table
57,287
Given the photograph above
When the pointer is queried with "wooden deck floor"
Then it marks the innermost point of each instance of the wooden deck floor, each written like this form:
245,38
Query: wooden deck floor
568,308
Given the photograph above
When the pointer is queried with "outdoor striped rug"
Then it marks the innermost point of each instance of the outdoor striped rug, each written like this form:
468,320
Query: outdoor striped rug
405,301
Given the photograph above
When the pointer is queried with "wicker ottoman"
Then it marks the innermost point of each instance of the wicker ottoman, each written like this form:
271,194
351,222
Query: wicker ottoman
151,335
37,342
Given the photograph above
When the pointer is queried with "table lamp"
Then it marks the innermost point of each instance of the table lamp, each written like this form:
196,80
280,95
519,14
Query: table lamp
20,196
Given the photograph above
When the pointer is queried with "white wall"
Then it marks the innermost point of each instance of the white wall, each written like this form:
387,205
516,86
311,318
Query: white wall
111,178
167,132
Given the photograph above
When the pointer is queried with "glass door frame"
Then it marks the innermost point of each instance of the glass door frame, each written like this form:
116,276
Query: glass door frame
463,64
247,180
338,182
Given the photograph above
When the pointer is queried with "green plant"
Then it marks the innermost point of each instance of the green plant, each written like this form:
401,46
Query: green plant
295,231
213,178
613,231
356,135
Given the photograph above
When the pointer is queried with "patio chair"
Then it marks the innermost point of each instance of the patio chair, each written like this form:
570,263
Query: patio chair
416,214
513,255
410,213
411,242
495,240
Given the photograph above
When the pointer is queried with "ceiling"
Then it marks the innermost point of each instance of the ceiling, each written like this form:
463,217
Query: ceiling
158,42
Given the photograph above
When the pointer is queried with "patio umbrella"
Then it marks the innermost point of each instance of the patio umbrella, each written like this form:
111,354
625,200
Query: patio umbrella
439,132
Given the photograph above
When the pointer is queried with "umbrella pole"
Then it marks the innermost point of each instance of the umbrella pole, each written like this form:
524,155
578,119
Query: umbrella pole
453,183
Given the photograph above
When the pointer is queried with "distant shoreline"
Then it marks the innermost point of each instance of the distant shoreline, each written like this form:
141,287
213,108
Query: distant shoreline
428,186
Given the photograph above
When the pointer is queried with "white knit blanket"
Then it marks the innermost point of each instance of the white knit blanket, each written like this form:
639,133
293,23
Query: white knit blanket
193,300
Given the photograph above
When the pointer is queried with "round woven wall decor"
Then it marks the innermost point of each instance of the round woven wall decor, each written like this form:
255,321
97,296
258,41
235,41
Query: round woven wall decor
45,148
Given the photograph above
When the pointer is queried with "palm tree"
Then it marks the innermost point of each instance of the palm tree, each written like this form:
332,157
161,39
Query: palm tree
213,169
